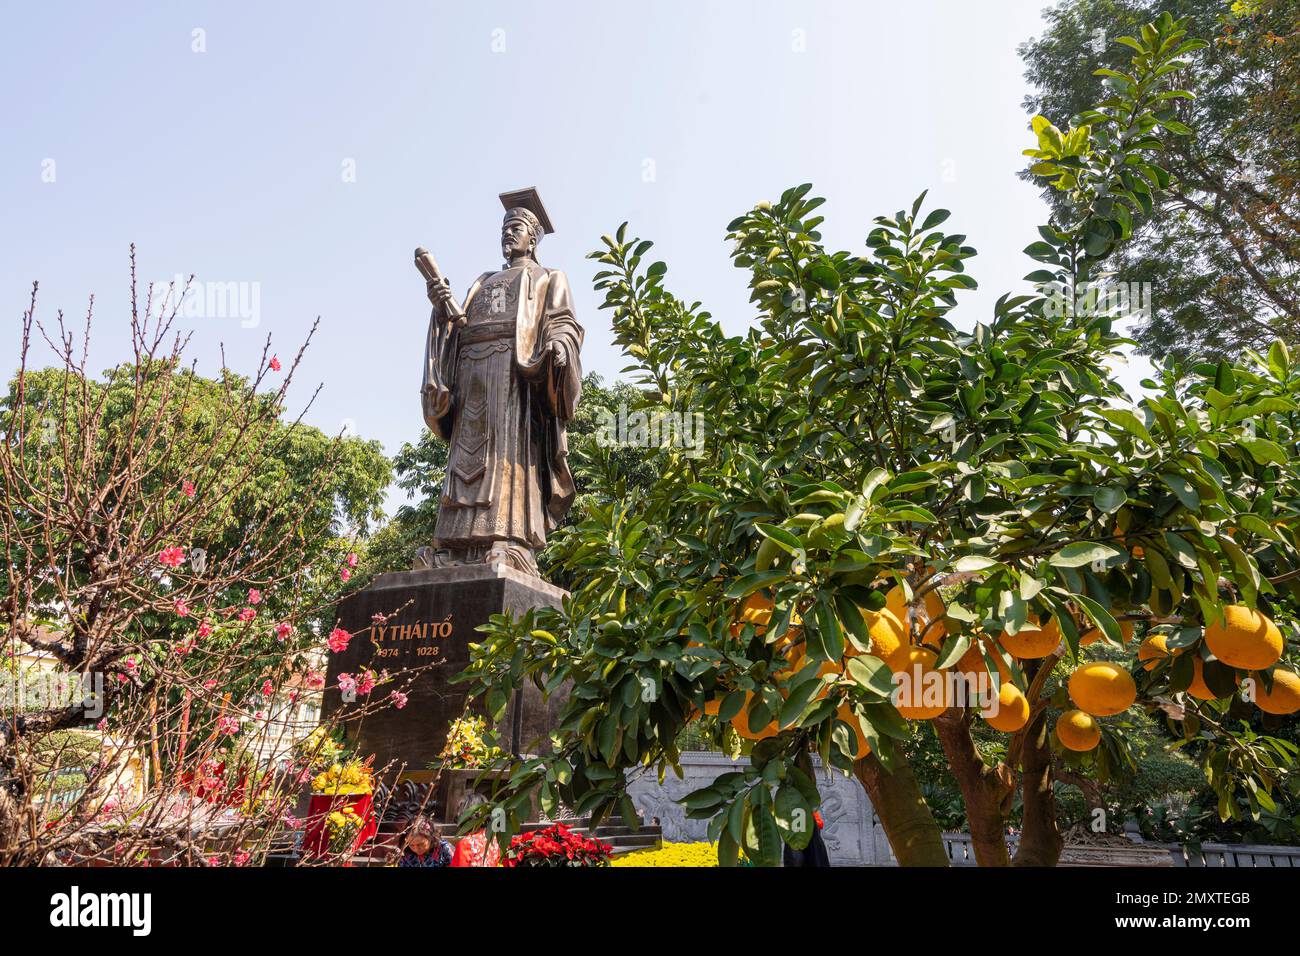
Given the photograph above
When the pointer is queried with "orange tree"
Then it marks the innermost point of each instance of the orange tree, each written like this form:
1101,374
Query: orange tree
890,512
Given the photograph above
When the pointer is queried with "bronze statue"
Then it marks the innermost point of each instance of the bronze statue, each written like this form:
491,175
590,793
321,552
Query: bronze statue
502,376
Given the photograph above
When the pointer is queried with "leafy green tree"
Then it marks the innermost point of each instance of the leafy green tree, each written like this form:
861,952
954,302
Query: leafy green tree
1221,244
874,474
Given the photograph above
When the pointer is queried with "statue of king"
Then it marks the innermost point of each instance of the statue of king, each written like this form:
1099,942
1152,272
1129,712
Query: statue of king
502,375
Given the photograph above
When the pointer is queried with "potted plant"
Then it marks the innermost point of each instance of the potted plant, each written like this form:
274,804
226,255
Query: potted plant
344,788
556,845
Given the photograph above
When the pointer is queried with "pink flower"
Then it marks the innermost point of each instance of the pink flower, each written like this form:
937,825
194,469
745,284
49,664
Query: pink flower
103,724
366,684
347,682
398,699
378,618
352,559
344,574
315,680
173,557
275,364
228,725
187,488
182,608
254,596
184,647
241,858
282,631
205,629
267,688
339,638
210,683
247,614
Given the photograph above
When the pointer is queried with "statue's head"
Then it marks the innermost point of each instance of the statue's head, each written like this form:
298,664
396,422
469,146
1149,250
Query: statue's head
521,231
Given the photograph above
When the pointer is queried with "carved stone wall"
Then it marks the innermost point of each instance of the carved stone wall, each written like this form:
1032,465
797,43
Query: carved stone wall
853,834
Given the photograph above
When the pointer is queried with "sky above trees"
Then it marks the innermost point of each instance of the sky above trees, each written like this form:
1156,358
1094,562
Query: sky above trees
228,152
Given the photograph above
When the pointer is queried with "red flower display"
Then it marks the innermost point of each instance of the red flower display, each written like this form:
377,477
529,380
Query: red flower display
556,845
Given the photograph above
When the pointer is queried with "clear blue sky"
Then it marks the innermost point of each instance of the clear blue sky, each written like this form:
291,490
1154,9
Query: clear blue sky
677,116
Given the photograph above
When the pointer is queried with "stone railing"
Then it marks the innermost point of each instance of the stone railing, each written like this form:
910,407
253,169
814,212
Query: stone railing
1236,854
958,846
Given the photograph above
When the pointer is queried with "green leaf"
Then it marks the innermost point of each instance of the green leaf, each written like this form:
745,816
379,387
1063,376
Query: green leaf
1128,422
783,538
749,583
1109,498
1183,491
1085,552
762,840
872,674
1265,452
793,815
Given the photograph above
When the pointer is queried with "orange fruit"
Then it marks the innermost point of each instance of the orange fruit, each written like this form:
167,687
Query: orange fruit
1078,731
923,692
755,609
1153,650
1009,712
1198,688
1285,696
792,649
1245,639
1101,688
931,627
1032,641
888,636
972,662
896,602
928,616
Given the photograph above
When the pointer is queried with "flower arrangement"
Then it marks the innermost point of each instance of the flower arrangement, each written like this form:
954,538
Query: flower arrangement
556,845
349,778
470,745
671,854
318,749
341,828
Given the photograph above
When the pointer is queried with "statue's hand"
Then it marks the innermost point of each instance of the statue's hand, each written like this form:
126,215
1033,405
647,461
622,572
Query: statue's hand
440,294
559,357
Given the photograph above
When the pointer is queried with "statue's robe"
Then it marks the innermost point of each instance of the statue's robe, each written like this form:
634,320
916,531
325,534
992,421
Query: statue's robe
493,391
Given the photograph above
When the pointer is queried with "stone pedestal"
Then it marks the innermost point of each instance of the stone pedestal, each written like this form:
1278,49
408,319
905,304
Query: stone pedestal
431,618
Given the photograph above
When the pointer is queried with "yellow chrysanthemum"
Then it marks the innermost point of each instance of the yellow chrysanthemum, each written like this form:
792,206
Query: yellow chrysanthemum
671,854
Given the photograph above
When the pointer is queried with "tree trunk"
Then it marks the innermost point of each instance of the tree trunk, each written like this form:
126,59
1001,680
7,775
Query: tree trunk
913,834
986,791
1040,840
